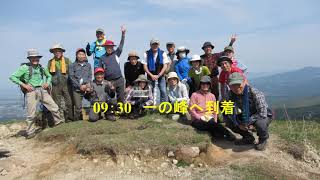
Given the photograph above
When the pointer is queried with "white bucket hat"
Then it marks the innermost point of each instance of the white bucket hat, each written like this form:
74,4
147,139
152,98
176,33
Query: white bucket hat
182,49
57,46
195,57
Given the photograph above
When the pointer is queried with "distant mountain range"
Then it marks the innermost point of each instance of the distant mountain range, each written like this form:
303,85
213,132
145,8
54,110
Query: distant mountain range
298,90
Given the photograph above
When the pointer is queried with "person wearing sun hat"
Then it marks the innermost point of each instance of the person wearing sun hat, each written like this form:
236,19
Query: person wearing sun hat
182,67
35,81
229,51
197,71
226,69
204,119
132,69
61,87
139,96
110,62
210,60
80,74
250,110
176,90
101,91
96,47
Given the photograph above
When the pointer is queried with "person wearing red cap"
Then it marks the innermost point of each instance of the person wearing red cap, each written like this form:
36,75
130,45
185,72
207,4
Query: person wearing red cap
101,91
80,74
111,64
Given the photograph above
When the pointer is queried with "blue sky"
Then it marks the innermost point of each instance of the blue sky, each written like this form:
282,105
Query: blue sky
273,35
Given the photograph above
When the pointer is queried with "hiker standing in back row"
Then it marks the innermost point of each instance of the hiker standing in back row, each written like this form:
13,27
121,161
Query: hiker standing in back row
96,47
155,63
111,64
182,68
58,67
80,74
35,81
210,60
226,66
171,54
132,69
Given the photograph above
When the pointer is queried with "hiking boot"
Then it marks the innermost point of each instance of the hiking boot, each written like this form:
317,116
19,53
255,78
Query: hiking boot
261,146
245,141
111,117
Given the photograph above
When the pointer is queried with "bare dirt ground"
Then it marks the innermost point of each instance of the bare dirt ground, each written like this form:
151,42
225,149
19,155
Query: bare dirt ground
30,159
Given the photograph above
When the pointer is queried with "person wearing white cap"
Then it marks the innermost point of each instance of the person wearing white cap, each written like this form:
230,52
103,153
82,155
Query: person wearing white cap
197,71
176,90
155,63
171,54
34,81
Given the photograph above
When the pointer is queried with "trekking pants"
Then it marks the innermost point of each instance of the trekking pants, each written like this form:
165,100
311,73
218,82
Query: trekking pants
119,86
215,129
77,100
261,125
33,98
61,93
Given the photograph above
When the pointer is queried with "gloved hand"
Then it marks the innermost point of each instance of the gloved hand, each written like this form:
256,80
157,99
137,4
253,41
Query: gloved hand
88,50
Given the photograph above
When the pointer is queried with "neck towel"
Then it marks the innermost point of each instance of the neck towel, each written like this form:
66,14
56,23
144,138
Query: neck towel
62,64
151,60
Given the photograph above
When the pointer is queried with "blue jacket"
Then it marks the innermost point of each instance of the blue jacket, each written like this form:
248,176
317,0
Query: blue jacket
182,68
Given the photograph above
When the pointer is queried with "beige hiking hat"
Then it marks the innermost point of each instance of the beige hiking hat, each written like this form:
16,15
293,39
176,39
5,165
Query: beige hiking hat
57,46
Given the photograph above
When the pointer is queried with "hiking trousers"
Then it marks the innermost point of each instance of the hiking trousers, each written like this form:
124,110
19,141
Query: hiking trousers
33,98
61,94
261,125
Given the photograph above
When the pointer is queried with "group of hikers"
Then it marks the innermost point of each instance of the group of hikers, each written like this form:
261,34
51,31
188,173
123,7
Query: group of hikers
196,80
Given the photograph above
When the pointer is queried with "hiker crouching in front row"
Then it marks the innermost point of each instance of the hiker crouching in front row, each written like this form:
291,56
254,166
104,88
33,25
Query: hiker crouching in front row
101,91
251,110
203,118
34,81
139,96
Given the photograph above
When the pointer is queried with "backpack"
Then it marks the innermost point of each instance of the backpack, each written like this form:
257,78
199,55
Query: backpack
30,74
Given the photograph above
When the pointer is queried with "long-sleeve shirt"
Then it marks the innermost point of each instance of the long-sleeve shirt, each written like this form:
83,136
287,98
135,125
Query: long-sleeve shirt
182,68
78,71
102,92
131,72
196,75
258,106
111,62
36,78
97,49
178,93
211,62
201,99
